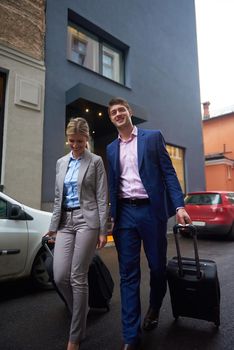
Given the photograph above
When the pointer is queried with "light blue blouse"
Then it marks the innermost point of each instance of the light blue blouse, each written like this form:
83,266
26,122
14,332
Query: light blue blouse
70,192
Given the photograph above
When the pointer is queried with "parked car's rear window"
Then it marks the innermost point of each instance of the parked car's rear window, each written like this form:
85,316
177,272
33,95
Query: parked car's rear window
230,197
203,199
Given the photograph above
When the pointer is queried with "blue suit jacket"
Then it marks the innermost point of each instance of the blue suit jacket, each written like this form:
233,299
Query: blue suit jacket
156,172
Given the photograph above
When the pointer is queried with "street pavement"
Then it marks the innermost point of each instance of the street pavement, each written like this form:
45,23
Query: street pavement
35,320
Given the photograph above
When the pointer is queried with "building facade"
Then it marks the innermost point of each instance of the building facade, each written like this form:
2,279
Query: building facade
98,49
218,131
88,52
22,82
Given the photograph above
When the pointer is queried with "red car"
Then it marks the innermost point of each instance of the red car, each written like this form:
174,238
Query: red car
212,212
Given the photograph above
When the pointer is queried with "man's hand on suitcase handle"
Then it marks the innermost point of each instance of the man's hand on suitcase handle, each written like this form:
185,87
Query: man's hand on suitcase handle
182,217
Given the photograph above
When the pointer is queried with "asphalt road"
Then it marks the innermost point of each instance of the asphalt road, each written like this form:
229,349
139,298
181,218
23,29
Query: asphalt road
30,319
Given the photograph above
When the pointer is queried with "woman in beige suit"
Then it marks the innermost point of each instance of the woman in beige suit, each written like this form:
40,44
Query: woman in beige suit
79,222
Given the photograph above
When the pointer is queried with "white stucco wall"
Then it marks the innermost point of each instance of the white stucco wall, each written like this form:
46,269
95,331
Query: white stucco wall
23,126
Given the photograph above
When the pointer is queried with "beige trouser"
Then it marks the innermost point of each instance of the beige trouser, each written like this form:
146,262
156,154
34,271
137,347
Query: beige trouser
74,248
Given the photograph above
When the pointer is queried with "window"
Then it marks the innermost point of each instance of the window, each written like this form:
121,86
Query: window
177,157
107,65
90,51
230,197
203,199
3,209
78,51
83,49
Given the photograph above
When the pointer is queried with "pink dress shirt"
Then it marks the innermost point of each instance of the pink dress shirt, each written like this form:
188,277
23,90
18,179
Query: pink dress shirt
130,182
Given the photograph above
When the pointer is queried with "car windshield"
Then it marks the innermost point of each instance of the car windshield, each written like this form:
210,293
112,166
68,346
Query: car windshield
203,199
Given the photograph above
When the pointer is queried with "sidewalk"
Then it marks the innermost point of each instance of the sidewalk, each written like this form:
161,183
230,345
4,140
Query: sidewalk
39,320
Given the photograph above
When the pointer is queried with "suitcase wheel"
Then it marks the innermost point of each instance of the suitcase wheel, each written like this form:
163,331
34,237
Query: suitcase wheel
217,318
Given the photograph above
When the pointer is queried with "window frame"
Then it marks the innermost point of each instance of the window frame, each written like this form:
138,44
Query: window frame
101,44
106,65
79,52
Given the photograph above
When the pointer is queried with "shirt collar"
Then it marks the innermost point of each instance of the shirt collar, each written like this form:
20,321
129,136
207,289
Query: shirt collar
73,158
133,134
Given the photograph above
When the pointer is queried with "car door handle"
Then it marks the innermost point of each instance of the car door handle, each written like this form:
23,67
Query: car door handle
9,251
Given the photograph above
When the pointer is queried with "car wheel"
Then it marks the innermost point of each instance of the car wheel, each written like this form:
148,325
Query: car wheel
231,233
39,273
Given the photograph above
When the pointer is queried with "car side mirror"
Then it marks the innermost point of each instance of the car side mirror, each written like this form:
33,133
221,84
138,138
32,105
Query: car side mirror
15,212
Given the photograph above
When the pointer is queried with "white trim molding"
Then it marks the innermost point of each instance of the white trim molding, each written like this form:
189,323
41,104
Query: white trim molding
27,93
222,161
20,57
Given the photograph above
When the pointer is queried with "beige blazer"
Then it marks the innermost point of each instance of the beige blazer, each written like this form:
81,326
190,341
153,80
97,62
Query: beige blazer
92,191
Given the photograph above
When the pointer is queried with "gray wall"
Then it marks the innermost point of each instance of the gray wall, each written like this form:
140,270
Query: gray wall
161,74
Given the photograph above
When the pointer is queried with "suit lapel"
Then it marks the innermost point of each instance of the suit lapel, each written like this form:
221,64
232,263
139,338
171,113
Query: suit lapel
63,170
86,158
140,146
114,156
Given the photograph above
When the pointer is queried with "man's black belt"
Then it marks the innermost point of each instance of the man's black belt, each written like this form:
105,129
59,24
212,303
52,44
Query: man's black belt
135,201
70,209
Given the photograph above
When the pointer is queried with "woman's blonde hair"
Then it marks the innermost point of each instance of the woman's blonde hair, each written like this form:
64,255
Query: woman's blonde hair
78,125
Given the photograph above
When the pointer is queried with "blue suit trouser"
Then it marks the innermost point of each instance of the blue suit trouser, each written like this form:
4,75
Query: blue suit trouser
135,224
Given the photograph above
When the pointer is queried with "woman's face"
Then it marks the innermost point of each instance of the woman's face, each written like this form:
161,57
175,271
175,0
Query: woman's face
77,143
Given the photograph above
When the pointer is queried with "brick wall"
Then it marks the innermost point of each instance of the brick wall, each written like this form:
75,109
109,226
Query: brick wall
22,26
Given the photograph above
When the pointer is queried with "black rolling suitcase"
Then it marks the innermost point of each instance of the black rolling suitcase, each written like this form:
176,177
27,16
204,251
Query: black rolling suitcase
193,284
101,284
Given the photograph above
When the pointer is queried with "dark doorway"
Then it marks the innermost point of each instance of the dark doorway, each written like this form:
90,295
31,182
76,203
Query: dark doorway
101,129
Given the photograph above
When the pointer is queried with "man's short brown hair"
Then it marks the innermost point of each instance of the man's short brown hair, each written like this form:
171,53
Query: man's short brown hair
119,101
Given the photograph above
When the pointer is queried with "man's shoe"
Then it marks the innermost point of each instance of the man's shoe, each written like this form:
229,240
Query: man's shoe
151,320
129,347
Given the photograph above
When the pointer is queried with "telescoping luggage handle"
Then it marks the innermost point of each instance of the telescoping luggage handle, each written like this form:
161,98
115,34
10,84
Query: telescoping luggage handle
46,242
193,231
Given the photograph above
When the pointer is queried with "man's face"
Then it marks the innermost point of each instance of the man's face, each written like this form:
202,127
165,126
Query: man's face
120,116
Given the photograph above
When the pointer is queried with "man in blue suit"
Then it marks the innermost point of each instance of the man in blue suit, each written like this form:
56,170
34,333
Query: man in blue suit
144,193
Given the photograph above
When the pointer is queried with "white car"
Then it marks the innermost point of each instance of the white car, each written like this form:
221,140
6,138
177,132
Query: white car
21,251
